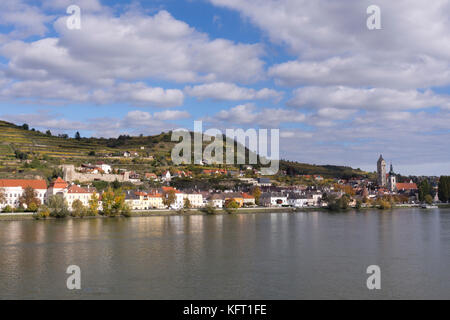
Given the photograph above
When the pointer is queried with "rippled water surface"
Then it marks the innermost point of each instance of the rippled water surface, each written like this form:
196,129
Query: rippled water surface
243,256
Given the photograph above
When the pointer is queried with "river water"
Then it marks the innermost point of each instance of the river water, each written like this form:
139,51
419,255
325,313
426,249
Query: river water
243,256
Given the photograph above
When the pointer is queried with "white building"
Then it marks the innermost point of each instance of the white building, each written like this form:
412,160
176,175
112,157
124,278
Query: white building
14,188
74,192
195,198
297,201
273,199
106,168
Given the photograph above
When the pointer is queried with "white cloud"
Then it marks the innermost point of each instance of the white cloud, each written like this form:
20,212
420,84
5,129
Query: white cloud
140,94
334,46
26,19
420,72
369,99
133,47
248,114
230,92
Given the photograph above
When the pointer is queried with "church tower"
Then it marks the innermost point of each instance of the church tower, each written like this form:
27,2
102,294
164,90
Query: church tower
381,171
392,180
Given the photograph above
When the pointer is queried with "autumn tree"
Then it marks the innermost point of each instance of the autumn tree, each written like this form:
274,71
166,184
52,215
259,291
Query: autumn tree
113,201
108,202
169,198
187,204
257,194
2,196
78,209
29,199
231,205
93,204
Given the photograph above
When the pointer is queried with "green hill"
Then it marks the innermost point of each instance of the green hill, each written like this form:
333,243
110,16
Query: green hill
19,143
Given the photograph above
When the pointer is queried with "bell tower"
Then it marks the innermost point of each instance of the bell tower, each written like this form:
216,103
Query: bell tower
381,171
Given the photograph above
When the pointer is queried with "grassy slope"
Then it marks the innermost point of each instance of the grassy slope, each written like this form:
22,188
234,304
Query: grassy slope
14,138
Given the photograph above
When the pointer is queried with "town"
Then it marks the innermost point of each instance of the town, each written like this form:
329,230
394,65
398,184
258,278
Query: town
100,188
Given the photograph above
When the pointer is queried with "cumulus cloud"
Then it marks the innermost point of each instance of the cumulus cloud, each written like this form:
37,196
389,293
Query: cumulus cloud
249,114
134,122
230,92
133,47
26,19
369,99
334,46
140,94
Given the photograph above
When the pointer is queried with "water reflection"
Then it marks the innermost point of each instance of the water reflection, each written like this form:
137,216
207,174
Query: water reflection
248,256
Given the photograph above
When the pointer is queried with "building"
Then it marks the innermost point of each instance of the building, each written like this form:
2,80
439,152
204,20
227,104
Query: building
14,188
297,200
57,186
381,172
273,199
195,199
392,180
216,200
249,200
74,192
406,187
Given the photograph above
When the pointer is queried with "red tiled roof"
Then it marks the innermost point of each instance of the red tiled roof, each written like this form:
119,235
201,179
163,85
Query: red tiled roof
35,184
76,189
247,196
167,189
59,184
406,186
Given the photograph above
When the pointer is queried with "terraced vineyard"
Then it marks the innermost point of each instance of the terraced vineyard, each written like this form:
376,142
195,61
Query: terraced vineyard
14,138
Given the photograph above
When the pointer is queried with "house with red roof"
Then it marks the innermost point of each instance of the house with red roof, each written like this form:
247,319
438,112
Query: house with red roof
14,188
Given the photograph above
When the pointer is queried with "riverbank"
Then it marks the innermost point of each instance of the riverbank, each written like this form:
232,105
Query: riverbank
192,212
163,212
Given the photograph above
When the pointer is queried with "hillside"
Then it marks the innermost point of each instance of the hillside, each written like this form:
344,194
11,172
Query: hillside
17,142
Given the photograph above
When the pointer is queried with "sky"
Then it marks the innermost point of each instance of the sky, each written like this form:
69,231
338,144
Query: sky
339,93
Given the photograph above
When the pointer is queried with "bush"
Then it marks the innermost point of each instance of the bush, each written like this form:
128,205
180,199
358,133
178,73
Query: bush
8,209
32,208
58,207
126,211
42,213
78,209
209,209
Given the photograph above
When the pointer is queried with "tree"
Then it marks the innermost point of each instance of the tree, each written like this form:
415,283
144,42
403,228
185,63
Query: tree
78,209
77,136
93,205
444,188
428,199
257,194
58,206
42,213
187,204
108,202
29,199
424,190
48,132
116,184
169,198
231,205
113,202
2,196
25,126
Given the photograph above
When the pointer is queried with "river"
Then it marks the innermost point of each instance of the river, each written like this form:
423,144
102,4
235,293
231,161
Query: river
241,256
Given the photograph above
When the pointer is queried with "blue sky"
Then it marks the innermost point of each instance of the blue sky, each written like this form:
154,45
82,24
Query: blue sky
338,92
